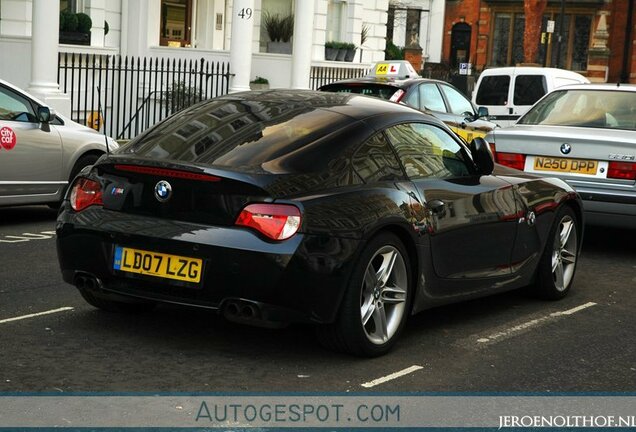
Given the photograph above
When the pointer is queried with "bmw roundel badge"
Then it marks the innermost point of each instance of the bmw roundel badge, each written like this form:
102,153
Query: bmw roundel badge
163,191
566,148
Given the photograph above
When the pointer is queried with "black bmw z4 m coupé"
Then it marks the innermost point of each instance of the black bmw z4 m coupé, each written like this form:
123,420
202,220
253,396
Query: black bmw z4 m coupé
340,210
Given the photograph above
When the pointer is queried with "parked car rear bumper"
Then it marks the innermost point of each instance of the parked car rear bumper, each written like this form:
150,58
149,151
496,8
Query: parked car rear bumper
608,208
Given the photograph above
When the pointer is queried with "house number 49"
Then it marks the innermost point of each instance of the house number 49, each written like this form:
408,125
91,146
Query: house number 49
245,13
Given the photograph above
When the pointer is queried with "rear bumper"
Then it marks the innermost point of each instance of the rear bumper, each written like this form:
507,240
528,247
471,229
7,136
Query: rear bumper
609,208
295,280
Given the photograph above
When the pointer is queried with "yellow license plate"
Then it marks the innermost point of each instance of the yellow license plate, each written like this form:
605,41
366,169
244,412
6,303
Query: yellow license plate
579,166
157,264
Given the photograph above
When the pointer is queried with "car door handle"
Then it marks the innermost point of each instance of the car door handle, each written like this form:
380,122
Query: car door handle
436,206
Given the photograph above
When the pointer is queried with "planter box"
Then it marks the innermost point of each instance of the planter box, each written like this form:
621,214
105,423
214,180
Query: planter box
279,47
331,53
254,86
341,54
349,55
75,38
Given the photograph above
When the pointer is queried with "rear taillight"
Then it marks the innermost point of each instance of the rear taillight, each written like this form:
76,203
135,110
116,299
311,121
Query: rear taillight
622,170
85,193
493,148
275,221
512,160
397,96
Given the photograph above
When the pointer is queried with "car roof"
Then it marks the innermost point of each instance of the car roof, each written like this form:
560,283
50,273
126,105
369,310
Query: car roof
355,106
512,70
385,81
251,130
600,86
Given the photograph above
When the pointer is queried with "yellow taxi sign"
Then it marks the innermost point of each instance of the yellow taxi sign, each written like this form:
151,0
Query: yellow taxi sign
399,69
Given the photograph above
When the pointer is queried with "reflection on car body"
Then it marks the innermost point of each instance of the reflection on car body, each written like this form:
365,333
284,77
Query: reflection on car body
347,212
397,81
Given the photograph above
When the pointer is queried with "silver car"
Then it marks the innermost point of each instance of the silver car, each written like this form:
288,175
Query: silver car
40,151
586,135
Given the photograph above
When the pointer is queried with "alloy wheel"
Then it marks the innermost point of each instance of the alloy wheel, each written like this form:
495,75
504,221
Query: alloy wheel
383,295
564,253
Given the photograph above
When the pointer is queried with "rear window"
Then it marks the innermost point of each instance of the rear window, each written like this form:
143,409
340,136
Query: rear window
529,89
376,90
493,90
609,109
237,134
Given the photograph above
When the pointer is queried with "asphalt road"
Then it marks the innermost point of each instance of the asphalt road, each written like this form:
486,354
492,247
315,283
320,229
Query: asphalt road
507,343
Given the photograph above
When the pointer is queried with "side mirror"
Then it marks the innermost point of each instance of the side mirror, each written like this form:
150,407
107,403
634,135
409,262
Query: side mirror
482,156
44,114
482,112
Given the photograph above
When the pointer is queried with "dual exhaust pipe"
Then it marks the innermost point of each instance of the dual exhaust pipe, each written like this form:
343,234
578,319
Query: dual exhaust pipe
85,281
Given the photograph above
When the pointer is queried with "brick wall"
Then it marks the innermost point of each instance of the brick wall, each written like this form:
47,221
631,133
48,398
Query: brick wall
477,14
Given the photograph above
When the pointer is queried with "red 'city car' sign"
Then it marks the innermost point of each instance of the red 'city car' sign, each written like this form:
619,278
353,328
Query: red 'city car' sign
7,138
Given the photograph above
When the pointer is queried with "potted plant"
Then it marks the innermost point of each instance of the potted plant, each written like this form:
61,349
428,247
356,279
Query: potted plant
350,52
75,29
259,83
364,35
279,30
342,51
331,50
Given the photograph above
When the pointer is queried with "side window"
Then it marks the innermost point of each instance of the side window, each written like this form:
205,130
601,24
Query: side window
431,99
427,151
529,89
413,99
374,161
15,107
493,90
459,105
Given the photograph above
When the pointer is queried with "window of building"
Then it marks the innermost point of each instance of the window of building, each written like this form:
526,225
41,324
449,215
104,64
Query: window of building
71,6
403,26
507,42
176,22
507,45
336,16
413,27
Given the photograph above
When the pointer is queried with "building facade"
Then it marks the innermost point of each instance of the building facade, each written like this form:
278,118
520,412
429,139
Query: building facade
592,37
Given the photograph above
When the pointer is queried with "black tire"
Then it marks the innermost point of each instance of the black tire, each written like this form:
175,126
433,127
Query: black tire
110,305
368,302
556,269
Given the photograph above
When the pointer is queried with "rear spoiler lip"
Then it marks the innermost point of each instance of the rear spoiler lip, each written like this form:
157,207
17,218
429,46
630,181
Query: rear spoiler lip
260,180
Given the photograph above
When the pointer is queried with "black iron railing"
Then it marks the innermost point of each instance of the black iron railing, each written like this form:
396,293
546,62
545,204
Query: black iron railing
123,96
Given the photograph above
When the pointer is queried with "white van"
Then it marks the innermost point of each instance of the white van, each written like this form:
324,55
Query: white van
508,92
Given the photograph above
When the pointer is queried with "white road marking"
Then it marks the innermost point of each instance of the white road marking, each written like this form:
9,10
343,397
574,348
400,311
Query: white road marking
52,311
504,334
393,376
574,310
24,237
